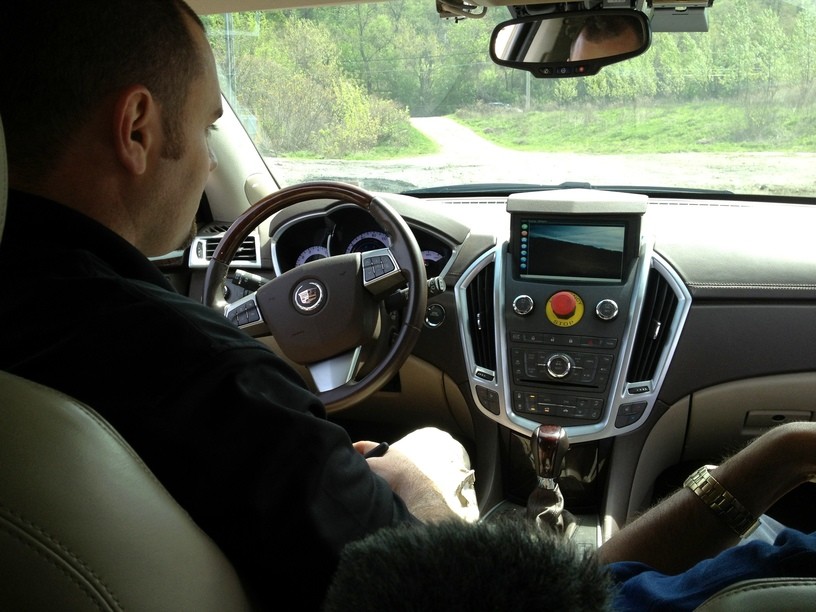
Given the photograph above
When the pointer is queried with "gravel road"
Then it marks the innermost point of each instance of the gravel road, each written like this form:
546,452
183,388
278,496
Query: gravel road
461,159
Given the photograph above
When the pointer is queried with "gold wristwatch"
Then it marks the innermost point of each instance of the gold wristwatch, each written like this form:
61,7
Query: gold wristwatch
721,502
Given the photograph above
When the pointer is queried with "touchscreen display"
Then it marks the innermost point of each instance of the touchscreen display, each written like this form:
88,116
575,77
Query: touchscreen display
556,250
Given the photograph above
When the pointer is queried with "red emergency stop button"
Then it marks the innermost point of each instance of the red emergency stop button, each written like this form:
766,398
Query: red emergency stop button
563,304
564,309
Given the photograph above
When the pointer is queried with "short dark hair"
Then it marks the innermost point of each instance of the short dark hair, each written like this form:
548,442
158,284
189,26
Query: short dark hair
601,28
61,59
493,565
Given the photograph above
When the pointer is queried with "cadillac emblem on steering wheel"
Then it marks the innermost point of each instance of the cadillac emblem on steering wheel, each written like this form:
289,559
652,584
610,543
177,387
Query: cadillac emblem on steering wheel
309,296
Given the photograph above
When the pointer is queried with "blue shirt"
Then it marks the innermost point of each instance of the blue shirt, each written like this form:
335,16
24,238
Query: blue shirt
640,588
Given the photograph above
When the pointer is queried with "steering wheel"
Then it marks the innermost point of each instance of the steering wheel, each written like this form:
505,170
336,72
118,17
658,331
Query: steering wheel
325,313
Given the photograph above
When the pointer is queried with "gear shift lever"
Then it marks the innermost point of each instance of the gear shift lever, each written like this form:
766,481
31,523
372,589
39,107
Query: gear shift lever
545,505
549,446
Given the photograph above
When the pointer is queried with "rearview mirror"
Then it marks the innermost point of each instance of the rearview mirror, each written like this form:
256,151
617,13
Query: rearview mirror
570,44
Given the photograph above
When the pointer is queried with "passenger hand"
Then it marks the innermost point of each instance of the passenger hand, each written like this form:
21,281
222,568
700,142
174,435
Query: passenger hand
680,531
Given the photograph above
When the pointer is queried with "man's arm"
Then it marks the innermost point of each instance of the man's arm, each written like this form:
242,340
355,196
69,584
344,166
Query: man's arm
682,530
417,490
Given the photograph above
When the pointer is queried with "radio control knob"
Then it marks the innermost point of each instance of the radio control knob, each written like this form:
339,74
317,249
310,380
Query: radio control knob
606,309
523,305
559,365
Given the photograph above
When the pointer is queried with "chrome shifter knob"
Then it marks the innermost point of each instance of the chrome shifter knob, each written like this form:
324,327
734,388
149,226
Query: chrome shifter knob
549,447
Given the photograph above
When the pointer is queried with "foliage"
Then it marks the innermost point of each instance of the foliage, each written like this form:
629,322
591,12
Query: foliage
341,81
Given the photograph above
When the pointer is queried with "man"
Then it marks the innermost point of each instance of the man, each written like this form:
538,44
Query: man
107,114
606,36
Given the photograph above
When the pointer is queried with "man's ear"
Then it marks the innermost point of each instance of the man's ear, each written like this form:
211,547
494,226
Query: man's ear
136,121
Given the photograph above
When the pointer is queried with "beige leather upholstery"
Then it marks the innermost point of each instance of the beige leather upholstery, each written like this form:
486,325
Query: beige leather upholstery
84,525
776,594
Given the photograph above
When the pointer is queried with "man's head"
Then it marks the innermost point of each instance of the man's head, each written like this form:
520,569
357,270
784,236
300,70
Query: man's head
111,100
605,36
497,565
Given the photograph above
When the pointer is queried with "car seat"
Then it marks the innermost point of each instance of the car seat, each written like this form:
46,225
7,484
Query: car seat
84,524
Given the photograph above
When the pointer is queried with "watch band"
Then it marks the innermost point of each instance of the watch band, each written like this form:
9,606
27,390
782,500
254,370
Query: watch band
721,502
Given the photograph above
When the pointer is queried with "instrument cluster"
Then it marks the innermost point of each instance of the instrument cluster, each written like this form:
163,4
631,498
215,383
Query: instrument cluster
346,230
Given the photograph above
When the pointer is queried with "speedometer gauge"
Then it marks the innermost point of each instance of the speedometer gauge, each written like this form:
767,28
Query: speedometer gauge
434,262
368,241
431,256
311,254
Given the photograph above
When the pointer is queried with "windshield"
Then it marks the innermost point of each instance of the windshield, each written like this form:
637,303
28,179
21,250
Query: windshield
392,97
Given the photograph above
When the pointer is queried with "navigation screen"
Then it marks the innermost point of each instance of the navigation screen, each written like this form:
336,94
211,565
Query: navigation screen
556,250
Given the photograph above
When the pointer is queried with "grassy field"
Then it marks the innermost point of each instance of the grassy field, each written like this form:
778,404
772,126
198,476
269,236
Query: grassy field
697,127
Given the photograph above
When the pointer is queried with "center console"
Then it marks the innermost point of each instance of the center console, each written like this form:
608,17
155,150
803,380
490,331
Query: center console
569,281
570,323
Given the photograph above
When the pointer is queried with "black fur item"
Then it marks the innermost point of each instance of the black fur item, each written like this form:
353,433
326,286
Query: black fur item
496,565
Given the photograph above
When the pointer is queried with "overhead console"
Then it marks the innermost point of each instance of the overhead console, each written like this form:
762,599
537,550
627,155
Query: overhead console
569,282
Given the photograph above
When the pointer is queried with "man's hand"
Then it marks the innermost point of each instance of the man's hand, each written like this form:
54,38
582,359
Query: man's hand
430,471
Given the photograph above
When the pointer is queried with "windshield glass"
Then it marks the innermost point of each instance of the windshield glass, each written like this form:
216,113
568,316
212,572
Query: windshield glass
392,97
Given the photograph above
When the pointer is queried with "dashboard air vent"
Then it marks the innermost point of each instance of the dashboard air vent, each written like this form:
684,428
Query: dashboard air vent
482,318
205,244
659,306
246,252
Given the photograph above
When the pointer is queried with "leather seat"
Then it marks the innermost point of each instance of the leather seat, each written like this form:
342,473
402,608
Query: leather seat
777,594
84,524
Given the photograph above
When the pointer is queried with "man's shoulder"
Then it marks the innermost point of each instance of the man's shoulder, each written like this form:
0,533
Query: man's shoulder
175,313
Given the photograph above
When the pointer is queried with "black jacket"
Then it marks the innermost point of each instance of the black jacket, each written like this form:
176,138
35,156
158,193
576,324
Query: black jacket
227,426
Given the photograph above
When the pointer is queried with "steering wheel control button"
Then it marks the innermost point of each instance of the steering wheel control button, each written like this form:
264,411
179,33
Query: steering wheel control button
523,305
309,296
376,266
606,310
244,314
565,309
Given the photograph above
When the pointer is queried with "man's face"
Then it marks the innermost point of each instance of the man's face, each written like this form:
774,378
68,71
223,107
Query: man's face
182,177
584,49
